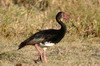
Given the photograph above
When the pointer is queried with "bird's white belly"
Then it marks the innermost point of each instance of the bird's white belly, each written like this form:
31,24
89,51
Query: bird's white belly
47,44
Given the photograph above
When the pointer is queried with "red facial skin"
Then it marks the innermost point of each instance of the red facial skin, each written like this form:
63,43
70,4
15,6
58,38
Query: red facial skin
65,16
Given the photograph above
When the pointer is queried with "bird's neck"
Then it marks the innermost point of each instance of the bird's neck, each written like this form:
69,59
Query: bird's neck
63,26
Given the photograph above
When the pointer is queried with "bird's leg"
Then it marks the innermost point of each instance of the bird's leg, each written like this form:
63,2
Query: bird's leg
44,55
40,52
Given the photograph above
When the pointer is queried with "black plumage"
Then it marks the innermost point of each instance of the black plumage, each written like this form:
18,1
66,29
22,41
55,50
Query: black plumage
50,35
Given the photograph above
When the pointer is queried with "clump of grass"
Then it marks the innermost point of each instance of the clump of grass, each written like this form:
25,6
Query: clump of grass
9,56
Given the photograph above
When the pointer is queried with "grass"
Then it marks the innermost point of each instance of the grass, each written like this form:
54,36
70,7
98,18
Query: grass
68,52
84,15
80,46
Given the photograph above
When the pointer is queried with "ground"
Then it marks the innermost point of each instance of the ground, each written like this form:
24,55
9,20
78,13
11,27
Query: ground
69,52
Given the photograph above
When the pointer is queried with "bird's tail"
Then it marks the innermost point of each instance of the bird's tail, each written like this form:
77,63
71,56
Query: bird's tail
23,44
26,42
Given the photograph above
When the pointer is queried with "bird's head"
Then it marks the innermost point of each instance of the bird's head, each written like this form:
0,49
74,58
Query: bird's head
61,15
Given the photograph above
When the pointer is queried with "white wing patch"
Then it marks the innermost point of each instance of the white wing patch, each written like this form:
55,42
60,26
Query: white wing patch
46,44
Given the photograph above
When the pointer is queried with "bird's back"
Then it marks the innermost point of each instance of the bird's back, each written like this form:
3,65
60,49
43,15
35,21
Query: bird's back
50,35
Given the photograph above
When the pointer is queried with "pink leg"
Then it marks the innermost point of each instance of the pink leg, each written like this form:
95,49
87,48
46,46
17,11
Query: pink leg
44,55
40,52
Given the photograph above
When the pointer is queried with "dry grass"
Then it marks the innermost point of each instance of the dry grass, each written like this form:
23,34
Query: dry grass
80,47
85,18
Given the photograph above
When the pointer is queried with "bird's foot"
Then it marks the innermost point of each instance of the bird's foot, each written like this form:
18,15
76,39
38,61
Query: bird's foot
38,60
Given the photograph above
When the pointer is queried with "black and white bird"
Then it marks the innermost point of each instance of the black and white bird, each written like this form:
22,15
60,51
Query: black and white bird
47,38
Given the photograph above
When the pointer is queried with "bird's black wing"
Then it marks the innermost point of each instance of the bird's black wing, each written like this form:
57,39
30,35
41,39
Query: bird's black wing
42,36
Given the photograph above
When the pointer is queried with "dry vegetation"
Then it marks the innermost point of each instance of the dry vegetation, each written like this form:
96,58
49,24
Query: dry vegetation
21,18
